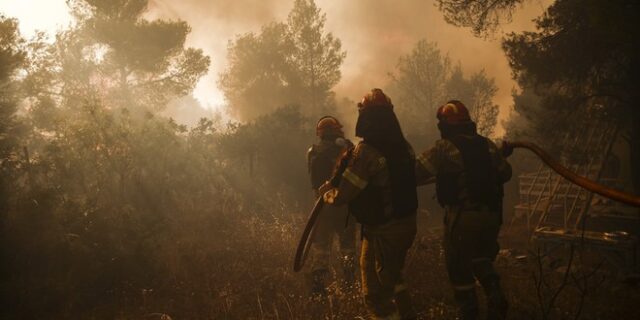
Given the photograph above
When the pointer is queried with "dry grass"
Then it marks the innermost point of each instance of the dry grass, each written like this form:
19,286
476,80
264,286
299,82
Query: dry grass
251,278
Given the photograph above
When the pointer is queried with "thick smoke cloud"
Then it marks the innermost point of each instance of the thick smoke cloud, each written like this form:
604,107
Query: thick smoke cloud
374,33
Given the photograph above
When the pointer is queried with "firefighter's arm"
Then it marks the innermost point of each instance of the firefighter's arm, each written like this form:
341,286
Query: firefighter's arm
355,177
346,191
501,164
427,165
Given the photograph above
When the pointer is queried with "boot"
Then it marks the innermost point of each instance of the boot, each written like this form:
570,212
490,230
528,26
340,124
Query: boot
467,303
405,307
497,304
490,280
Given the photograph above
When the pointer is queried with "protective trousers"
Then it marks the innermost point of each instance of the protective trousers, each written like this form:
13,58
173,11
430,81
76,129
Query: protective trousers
471,246
331,224
384,250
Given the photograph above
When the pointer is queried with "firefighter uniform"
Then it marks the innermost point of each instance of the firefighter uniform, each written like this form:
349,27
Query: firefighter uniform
334,222
386,240
472,222
377,181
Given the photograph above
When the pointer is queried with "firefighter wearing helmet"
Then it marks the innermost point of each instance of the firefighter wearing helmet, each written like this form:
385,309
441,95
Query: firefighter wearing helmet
470,171
376,179
321,161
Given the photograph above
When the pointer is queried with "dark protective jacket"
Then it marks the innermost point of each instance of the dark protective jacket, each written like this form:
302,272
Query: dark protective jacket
366,180
377,179
470,171
480,176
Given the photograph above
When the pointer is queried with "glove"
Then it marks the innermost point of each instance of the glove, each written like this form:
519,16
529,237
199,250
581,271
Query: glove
330,196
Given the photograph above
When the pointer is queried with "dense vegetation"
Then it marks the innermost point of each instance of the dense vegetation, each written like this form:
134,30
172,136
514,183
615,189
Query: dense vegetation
111,210
582,59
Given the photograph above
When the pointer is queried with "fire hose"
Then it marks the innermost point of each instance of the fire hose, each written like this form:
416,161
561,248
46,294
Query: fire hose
627,198
307,236
590,185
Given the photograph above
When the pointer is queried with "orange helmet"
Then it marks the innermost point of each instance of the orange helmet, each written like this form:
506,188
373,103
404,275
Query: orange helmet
375,98
453,112
328,125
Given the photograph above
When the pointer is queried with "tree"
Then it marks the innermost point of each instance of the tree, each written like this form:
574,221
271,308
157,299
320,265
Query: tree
477,94
583,53
458,86
260,76
419,88
317,55
266,152
12,57
292,63
425,80
117,206
115,55
482,16
483,111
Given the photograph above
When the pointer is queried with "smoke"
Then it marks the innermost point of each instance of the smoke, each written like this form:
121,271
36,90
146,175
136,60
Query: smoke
375,33
214,23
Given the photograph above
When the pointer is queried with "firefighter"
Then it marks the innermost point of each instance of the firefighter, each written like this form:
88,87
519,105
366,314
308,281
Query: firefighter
377,181
470,172
321,161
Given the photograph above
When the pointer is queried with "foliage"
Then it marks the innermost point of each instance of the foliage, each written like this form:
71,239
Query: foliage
116,55
425,79
12,57
270,152
605,35
482,16
293,63
110,210
477,93
317,56
96,201
419,89
583,59
116,214
260,76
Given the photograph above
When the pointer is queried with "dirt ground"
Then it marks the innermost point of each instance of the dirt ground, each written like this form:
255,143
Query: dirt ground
538,286
249,276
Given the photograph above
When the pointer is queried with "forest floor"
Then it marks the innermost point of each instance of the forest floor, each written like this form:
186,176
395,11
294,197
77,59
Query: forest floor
258,283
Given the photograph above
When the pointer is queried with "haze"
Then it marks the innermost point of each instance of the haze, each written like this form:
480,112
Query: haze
374,34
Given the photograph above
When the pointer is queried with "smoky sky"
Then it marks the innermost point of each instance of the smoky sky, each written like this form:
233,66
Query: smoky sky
375,33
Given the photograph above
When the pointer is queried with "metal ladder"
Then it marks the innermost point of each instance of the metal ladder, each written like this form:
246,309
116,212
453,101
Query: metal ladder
562,208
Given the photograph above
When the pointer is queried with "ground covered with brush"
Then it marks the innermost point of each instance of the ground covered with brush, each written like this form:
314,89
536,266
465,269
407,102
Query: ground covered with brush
249,276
